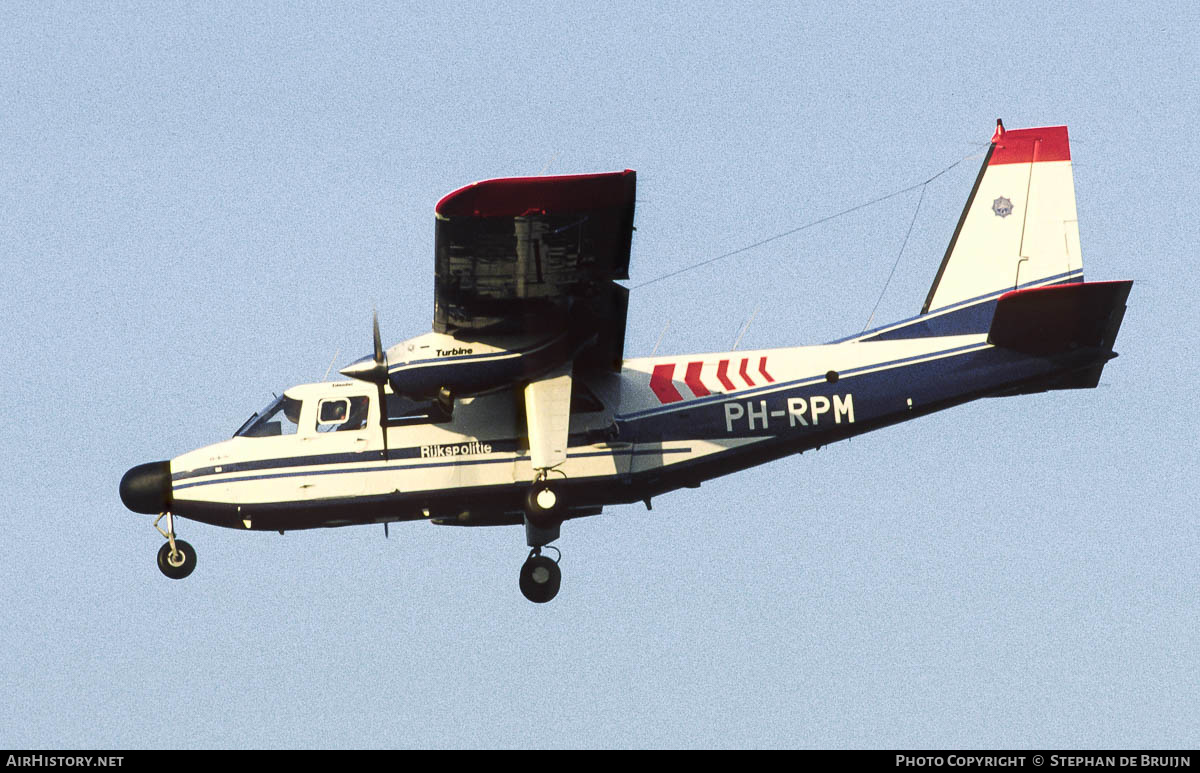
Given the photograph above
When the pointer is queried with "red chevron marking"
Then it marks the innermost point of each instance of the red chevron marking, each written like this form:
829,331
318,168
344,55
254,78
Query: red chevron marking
722,374
662,385
693,379
745,375
762,368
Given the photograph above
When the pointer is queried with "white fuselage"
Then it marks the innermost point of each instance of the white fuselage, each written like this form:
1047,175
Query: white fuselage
658,413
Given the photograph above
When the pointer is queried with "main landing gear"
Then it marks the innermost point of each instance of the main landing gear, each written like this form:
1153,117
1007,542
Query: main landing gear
176,558
544,504
540,575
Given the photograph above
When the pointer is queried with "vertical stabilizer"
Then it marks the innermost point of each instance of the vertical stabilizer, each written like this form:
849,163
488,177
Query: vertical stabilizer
1020,227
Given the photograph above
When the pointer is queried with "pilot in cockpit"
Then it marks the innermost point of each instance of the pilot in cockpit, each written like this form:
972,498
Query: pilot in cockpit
358,414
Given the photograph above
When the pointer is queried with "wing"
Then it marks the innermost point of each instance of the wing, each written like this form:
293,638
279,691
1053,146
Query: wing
538,254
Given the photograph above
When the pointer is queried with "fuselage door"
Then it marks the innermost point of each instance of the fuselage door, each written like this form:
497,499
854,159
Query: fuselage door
337,435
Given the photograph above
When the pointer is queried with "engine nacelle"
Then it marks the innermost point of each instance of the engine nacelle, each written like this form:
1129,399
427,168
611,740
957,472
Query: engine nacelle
420,367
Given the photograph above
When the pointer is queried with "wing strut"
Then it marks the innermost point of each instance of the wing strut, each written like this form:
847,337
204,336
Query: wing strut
548,414
548,418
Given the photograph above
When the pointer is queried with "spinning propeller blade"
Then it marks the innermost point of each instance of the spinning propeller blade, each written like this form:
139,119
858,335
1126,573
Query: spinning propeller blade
376,372
379,356
381,380
383,420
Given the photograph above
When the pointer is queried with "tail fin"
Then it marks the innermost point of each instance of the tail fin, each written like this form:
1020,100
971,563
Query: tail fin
1019,228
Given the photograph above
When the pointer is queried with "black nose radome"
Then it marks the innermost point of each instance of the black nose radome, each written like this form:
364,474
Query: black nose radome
147,488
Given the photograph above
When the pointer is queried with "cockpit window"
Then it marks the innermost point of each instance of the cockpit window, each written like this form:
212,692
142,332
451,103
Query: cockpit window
281,417
342,413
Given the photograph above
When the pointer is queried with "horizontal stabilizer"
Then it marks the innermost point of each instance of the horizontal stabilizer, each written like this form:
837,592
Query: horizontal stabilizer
1060,318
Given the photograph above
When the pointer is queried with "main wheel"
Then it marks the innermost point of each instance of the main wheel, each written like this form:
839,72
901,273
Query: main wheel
543,504
540,578
180,564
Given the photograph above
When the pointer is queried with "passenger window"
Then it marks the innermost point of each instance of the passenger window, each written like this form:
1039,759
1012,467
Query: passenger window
334,411
342,413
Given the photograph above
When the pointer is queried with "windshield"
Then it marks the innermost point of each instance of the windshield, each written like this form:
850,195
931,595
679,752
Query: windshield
281,417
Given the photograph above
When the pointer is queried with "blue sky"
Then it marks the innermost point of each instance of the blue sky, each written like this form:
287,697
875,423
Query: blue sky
203,203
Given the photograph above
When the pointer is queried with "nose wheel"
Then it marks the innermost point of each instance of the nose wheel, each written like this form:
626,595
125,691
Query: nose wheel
176,558
540,577
177,563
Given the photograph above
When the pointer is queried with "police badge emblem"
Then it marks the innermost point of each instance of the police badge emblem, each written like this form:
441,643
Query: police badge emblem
1002,207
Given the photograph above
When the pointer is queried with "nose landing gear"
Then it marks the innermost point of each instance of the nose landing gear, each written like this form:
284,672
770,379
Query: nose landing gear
176,558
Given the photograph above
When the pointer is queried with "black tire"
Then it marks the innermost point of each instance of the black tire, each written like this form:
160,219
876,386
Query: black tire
540,579
183,564
544,504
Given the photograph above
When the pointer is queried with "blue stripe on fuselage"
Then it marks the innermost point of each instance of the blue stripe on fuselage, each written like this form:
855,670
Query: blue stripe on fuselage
869,395
457,462
806,381
973,315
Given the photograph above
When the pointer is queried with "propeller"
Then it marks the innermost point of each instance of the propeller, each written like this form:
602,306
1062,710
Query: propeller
375,371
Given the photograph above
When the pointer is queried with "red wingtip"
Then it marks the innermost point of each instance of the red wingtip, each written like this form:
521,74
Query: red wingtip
999,134
559,194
